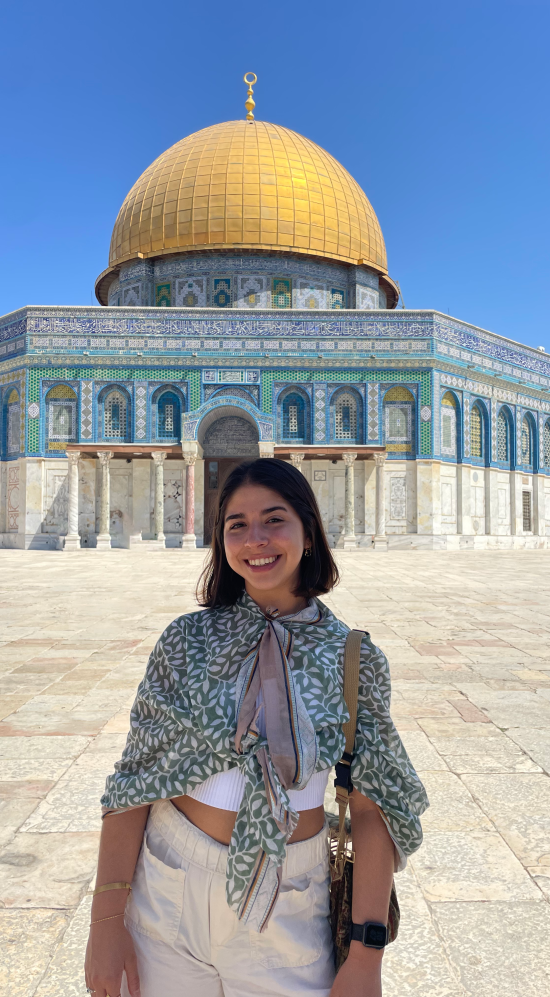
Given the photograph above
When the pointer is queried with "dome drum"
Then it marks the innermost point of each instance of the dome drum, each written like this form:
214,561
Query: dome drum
247,281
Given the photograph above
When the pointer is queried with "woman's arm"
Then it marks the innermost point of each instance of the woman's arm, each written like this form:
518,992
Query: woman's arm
110,948
360,976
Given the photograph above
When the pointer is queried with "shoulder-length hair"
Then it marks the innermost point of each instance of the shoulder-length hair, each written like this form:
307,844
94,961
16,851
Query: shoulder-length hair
219,585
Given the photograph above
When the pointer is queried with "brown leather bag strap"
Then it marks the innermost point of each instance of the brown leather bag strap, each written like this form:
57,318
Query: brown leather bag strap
352,660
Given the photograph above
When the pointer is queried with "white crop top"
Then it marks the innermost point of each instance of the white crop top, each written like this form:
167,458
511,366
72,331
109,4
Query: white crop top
225,789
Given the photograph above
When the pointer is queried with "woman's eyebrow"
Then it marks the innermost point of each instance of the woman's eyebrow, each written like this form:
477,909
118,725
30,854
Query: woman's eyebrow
265,512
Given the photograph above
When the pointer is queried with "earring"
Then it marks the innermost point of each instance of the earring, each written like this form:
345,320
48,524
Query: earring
307,552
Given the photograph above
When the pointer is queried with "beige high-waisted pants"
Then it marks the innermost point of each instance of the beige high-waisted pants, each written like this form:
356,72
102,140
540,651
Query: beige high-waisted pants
189,943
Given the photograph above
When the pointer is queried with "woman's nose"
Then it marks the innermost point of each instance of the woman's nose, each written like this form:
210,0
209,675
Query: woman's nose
256,534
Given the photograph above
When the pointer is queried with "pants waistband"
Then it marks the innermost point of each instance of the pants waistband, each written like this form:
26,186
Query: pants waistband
202,850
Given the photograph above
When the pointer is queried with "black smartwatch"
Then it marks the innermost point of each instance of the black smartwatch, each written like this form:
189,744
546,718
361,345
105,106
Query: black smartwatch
372,934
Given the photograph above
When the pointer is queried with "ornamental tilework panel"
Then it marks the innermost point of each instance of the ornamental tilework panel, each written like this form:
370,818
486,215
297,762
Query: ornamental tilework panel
466,426
540,431
310,295
163,295
373,426
281,296
13,498
131,296
519,421
493,416
191,292
337,298
140,410
365,298
222,292
320,412
252,292
86,410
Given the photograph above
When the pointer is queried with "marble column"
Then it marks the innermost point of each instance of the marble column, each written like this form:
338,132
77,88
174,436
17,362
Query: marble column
189,540
350,541
380,538
296,459
72,540
159,457
104,535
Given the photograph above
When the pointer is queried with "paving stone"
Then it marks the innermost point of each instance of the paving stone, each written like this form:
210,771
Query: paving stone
473,865
535,742
483,754
65,976
452,808
47,870
13,813
29,939
519,806
501,949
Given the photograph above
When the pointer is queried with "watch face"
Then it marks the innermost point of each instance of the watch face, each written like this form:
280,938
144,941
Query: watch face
375,934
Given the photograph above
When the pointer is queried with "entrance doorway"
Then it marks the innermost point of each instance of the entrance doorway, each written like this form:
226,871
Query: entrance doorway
216,471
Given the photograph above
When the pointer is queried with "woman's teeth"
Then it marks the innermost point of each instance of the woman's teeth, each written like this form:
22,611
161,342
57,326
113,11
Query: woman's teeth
262,560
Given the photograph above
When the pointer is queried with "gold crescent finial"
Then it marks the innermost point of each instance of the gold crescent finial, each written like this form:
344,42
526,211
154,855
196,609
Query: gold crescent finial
250,103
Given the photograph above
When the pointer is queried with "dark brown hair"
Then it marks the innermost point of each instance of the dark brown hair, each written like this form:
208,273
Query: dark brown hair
219,585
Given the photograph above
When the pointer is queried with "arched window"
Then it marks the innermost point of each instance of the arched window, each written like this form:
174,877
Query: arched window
503,437
546,443
115,416
448,424
398,419
61,417
294,417
526,441
345,417
13,434
476,432
168,416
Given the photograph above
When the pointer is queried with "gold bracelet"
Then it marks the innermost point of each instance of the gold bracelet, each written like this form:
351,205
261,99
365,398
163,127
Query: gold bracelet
111,918
110,886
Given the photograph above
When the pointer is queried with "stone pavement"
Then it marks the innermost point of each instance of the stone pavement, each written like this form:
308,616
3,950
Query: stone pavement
468,639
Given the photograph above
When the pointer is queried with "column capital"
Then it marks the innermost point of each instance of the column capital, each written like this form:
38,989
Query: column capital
296,459
73,457
104,456
349,458
266,448
158,456
190,458
379,459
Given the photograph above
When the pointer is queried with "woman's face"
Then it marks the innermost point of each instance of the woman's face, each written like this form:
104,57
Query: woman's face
264,541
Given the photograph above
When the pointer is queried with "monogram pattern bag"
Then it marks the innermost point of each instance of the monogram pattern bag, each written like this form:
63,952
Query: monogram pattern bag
342,855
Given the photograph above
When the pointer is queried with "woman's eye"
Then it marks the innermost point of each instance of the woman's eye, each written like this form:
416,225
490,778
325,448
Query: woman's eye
275,519
236,526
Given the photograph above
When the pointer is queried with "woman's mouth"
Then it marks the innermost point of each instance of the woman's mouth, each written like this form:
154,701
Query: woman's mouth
262,563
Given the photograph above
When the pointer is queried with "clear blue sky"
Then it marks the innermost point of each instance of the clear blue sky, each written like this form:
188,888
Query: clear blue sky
438,109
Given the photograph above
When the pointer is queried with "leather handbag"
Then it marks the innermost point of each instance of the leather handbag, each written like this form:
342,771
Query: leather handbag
341,851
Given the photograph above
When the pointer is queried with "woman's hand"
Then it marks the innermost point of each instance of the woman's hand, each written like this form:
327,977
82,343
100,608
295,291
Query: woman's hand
360,976
110,952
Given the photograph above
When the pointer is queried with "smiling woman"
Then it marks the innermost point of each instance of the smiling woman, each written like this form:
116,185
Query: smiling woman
235,728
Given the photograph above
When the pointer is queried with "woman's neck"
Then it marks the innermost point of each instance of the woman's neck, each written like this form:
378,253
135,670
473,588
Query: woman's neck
286,602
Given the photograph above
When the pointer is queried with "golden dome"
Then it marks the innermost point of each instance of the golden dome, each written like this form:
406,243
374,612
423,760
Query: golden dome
253,186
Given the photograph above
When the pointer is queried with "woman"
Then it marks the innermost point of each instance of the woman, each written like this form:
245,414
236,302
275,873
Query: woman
215,812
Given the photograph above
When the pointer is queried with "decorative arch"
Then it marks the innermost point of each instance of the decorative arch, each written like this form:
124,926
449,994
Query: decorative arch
61,417
399,419
13,422
346,410
479,435
168,406
528,441
505,436
294,413
114,414
546,444
449,424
